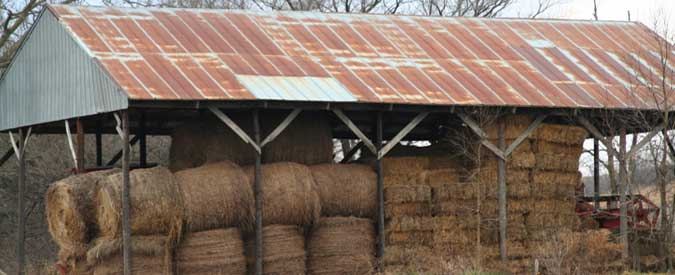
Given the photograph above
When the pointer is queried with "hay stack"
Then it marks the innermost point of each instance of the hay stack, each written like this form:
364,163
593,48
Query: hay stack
342,245
197,142
284,250
346,189
216,195
218,251
156,203
149,256
70,206
313,129
289,194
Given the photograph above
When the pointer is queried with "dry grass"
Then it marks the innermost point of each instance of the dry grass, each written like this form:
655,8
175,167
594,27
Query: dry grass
346,189
407,193
218,252
217,195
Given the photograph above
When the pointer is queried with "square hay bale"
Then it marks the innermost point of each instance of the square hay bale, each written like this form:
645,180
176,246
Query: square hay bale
556,162
407,193
439,176
441,192
554,185
541,146
557,133
446,161
524,160
456,208
402,179
409,223
410,238
542,221
404,165
412,260
392,210
515,126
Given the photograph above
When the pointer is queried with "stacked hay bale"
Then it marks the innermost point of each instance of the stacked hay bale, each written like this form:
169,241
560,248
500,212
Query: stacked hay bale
343,240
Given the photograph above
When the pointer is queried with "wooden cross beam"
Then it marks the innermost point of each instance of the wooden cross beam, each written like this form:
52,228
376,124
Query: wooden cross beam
502,154
352,152
246,138
355,129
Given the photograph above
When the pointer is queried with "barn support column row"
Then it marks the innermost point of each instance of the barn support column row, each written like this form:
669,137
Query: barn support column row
257,146
623,155
19,149
502,152
380,150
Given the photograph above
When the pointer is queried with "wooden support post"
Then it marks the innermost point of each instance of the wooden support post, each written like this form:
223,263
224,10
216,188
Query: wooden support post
623,187
143,142
596,172
259,253
80,146
99,143
380,193
501,178
126,212
21,231
120,153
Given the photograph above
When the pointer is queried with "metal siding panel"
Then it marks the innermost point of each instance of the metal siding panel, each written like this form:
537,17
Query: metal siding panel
52,78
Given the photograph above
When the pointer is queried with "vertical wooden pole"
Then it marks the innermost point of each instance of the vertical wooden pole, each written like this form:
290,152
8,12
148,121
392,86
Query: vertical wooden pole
259,253
623,182
99,143
80,146
380,192
143,142
21,231
501,178
126,212
596,172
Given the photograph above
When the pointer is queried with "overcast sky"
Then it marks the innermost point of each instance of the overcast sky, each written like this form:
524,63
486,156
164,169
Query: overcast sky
644,11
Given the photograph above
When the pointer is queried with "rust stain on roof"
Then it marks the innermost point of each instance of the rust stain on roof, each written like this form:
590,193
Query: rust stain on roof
187,54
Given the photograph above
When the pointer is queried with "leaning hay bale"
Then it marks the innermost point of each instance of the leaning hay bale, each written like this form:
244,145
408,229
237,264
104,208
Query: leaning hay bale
341,245
313,129
156,204
407,193
216,195
218,251
284,250
564,134
407,209
289,194
69,207
346,189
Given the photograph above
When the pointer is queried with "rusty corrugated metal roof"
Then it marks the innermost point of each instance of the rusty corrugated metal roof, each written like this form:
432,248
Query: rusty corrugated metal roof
186,54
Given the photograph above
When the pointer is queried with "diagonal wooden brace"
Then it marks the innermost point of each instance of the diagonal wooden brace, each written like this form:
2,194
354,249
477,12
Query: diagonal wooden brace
355,129
394,141
646,140
596,134
348,156
246,138
483,136
19,152
524,135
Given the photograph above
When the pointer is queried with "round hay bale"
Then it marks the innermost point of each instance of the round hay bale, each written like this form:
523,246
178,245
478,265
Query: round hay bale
289,194
312,128
69,207
216,195
156,204
148,256
341,245
346,189
407,193
283,248
187,149
218,251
